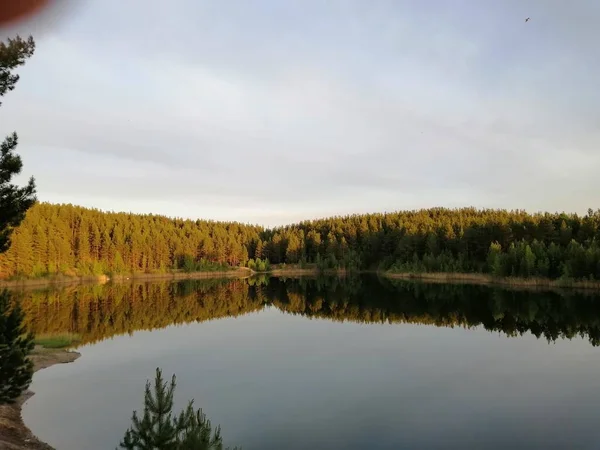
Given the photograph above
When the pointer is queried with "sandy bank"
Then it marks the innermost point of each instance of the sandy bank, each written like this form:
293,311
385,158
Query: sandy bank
488,280
36,283
14,435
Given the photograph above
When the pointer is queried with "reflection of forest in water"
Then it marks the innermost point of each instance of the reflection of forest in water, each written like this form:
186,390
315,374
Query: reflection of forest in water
94,313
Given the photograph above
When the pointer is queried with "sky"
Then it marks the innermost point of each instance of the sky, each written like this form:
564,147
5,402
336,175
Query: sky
272,112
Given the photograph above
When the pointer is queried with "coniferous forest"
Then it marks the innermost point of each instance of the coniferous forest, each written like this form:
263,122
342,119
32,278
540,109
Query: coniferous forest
71,240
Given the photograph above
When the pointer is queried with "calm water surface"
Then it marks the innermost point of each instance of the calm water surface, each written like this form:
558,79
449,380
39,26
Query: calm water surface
326,364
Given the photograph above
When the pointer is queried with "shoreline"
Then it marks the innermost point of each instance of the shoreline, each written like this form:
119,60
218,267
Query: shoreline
513,283
294,272
488,280
297,272
240,272
14,434
65,280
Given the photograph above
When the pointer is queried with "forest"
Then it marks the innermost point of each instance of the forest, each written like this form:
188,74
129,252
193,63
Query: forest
92,313
71,240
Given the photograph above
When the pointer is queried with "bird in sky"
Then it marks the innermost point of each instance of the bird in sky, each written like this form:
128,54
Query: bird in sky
528,19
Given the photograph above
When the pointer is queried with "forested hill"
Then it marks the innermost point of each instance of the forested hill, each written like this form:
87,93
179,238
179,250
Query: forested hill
74,240
79,241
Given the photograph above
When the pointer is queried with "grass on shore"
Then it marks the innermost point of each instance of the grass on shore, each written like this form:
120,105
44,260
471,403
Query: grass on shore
57,341
484,279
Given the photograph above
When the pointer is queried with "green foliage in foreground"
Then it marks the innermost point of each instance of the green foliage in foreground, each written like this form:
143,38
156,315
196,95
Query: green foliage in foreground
14,200
16,369
158,429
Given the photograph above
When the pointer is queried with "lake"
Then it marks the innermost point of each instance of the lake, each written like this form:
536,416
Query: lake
356,363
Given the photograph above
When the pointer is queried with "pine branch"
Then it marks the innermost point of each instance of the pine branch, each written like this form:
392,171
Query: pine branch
158,429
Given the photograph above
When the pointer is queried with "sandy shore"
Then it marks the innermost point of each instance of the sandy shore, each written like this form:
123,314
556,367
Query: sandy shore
14,435
487,280
62,281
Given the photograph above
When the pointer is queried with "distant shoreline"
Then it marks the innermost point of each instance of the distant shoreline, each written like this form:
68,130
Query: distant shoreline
295,271
453,278
240,272
14,434
299,272
64,280
488,280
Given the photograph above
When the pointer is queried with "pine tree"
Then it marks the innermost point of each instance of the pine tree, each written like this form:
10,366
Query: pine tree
40,251
14,200
494,260
16,369
158,429
293,250
82,248
319,263
197,434
528,263
258,252
118,264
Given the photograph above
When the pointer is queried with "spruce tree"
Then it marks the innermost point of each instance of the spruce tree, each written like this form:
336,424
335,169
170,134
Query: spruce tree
158,429
14,200
16,369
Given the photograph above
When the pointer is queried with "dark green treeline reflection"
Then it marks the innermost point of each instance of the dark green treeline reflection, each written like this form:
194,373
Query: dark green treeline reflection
93,313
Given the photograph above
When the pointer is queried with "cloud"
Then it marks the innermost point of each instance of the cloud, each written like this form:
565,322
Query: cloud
275,111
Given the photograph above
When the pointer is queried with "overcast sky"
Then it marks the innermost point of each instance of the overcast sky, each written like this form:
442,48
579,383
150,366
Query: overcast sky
275,111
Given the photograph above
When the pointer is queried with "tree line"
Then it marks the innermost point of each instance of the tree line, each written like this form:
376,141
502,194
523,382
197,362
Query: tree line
73,240
94,313
497,242
77,241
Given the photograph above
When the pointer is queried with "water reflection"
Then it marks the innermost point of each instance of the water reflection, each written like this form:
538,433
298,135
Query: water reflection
93,313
